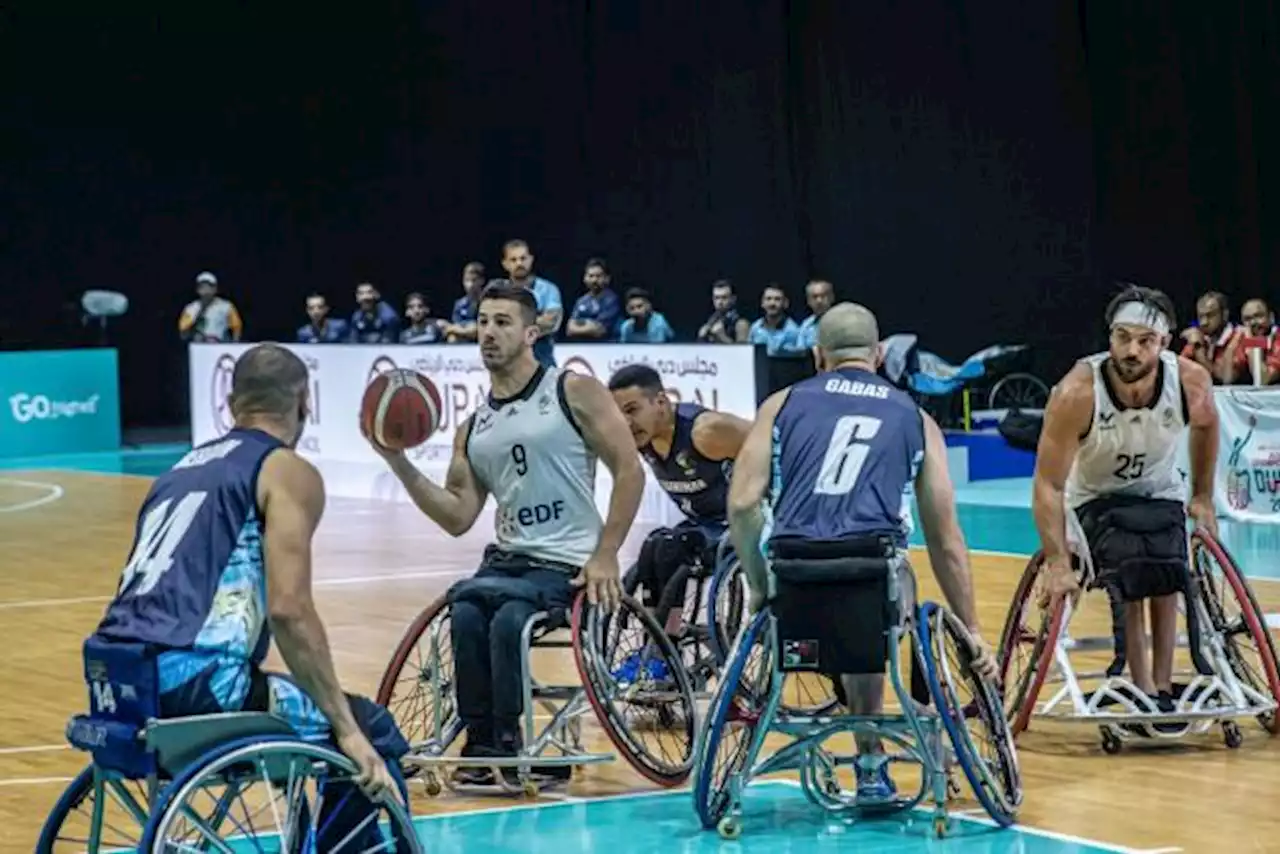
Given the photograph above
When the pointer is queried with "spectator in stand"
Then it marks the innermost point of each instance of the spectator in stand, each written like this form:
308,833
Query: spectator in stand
517,260
462,323
423,328
1209,339
776,330
374,322
1259,331
725,325
322,329
209,318
820,296
596,313
644,325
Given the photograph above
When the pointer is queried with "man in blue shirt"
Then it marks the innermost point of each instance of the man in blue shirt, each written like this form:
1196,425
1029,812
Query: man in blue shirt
517,260
820,295
322,329
595,313
462,323
644,325
374,322
776,330
725,325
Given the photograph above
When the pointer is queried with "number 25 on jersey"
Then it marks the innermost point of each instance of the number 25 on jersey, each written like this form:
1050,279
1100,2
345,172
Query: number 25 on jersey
846,454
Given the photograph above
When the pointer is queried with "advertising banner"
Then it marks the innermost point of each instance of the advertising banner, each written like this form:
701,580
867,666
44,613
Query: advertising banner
721,377
1247,480
59,401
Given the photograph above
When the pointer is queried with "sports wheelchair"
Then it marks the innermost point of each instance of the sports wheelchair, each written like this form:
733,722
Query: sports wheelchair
701,608
1226,655
846,608
208,782
651,721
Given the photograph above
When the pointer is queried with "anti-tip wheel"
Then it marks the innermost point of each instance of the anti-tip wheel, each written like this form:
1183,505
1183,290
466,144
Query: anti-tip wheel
1231,734
729,827
941,826
1111,743
530,789
432,785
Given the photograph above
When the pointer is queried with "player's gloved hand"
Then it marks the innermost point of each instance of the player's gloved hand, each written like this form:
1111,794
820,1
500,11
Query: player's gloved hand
1059,580
1201,510
984,661
600,576
372,775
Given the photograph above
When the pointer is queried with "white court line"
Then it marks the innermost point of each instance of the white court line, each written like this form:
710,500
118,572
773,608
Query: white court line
323,582
52,493
35,748
34,781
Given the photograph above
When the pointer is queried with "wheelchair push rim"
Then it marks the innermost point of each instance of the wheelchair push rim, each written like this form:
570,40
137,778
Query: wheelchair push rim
1251,622
408,686
80,797
671,710
736,700
267,761
974,722
1020,690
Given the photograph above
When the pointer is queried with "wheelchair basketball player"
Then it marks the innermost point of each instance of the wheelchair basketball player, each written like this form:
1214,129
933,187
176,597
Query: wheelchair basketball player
532,445
1106,478
690,450
232,521
835,455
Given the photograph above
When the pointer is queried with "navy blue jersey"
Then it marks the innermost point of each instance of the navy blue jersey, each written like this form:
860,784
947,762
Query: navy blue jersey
196,579
846,449
698,486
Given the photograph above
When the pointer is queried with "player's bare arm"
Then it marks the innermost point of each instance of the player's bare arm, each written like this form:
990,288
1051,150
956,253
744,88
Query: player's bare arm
453,506
606,433
1202,445
291,495
1066,420
948,553
719,435
747,491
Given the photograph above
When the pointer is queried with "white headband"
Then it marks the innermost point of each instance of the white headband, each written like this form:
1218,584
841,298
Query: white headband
1140,314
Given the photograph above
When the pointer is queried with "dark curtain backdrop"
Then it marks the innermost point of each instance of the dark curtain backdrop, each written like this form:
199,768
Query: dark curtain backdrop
976,172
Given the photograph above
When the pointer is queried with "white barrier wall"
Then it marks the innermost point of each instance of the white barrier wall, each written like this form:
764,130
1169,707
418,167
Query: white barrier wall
720,377
1247,480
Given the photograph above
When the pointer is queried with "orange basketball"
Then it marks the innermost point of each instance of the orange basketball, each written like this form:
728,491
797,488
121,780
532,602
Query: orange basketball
400,410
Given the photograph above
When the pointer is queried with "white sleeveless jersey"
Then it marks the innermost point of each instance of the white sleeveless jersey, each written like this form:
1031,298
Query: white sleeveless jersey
529,454
1131,451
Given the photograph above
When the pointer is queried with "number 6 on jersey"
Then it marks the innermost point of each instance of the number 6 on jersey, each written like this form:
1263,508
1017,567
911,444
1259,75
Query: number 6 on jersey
846,454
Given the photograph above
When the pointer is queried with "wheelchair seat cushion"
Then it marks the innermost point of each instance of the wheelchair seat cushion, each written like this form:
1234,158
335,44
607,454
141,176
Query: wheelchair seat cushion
1138,545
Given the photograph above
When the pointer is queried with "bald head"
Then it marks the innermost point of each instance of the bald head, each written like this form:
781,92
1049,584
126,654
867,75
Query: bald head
268,382
848,332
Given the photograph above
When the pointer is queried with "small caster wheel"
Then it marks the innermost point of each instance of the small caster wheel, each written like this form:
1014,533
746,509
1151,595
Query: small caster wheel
1231,735
1111,743
941,826
831,788
432,785
729,827
530,789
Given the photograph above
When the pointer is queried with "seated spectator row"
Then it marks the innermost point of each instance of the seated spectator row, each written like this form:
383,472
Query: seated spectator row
598,314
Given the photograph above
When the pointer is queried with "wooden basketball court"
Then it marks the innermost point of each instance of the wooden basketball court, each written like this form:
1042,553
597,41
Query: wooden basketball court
66,535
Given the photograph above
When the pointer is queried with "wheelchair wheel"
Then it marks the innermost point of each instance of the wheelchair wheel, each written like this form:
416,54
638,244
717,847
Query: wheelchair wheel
635,681
292,792
737,722
417,687
69,824
726,605
1235,614
1027,645
971,713
1018,391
